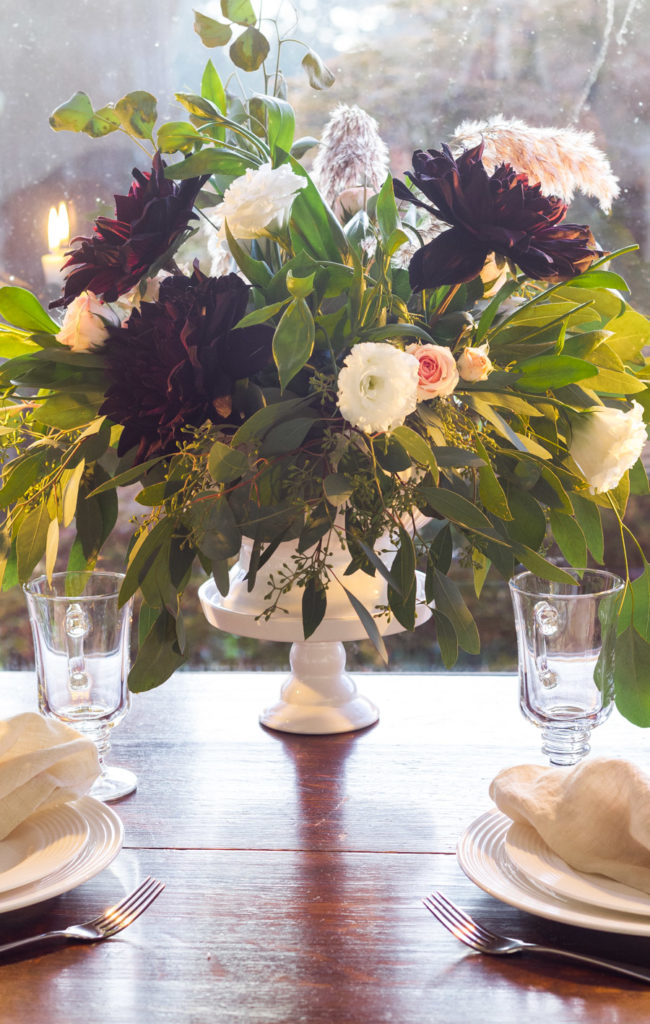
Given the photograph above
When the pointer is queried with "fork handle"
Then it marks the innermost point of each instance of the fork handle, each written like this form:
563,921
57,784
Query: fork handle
642,974
33,940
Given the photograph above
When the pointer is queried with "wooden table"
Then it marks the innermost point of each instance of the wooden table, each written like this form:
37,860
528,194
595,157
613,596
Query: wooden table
295,867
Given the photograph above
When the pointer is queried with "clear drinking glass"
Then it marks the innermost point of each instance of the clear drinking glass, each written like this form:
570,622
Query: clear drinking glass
565,637
81,643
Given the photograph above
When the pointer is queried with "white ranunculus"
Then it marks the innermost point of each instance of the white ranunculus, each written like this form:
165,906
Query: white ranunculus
259,202
605,443
84,326
377,386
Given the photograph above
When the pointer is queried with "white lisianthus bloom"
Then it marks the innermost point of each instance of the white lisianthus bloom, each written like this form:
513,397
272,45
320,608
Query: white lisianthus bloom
475,363
258,203
605,443
377,386
84,326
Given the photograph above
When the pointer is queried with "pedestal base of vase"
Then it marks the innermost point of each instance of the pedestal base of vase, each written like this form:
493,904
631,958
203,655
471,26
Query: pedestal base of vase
319,698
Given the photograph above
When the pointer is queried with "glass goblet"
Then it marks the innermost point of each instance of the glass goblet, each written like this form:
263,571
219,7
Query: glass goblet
81,644
565,637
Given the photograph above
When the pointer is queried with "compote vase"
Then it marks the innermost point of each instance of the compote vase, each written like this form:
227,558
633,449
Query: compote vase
319,697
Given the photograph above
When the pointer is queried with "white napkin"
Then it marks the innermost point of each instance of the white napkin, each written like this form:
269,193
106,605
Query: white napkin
595,816
42,763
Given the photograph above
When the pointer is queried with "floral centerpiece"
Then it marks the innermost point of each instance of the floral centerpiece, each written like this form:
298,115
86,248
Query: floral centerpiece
439,364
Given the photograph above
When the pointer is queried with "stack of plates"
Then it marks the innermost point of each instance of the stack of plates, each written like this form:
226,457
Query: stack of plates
511,861
57,849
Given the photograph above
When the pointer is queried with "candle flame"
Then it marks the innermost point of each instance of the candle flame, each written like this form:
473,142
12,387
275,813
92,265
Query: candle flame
58,227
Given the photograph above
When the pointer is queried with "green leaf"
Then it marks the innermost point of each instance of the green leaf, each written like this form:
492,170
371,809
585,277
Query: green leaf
249,50
159,656
73,115
492,309
19,475
178,135
281,124
144,556
456,508
418,448
137,112
540,566
261,315
600,279
293,341
129,476
528,525
639,479
319,75
256,271
22,309
368,624
491,492
447,639
300,287
387,215
449,602
632,677
239,11
103,122
545,372
569,538
286,436
337,488
215,531
51,547
71,492
401,599
258,425
31,541
212,87
67,410
226,464
211,32
314,605
313,227
636,605
588,517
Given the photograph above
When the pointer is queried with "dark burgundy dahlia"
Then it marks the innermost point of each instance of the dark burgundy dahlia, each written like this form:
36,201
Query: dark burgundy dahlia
490,213
175,362
148,221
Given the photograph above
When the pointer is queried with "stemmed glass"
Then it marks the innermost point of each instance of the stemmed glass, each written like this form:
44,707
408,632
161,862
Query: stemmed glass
81,644
565,635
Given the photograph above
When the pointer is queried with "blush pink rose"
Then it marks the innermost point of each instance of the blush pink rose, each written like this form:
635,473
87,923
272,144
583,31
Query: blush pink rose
437,373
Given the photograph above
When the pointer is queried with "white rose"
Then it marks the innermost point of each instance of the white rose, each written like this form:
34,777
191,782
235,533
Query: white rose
258,203
377,386
605,443
474,363
84,325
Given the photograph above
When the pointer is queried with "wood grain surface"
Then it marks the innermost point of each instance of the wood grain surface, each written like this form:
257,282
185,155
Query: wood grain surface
295,866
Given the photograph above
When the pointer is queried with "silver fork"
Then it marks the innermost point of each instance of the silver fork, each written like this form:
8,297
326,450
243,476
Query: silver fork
474,935
112,921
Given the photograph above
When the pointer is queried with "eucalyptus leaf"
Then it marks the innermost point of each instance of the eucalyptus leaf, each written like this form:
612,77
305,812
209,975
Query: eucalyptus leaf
239,11
314,605
449,602
368,624
212,33
137,112
293,341
569,538
447,639
31,541
319,75
632,677
226,464
73,115
249,50
159,655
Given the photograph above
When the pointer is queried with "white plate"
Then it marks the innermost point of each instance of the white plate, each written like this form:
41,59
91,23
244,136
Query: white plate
530,854
482,856
41,845
104,842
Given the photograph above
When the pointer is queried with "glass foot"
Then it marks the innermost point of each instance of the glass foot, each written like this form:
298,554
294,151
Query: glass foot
113,783
565,746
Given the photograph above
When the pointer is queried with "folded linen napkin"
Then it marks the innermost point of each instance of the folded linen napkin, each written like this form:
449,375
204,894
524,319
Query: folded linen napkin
595,816
42,763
